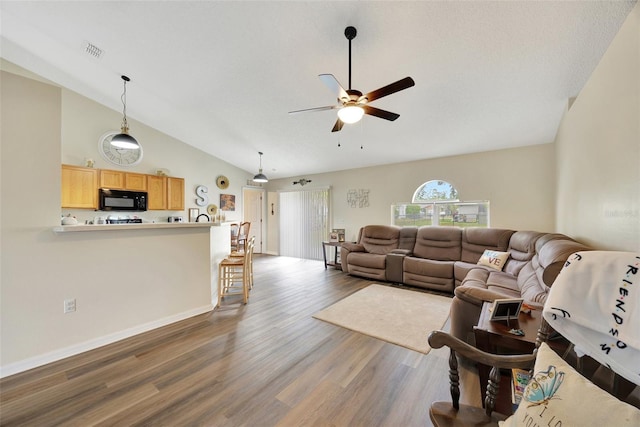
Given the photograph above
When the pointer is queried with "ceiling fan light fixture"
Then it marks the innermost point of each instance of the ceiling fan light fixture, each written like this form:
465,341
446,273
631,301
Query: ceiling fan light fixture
351,114
123,139
260,177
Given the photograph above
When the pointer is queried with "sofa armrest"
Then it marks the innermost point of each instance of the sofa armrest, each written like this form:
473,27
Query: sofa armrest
345,250
353,247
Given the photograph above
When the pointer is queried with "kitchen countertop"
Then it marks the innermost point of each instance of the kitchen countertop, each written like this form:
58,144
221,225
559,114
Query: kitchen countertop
143,226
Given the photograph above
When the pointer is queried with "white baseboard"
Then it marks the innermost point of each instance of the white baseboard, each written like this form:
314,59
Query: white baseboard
34,362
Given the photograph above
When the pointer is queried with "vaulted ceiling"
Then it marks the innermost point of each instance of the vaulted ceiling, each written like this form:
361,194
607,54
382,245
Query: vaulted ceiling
223,75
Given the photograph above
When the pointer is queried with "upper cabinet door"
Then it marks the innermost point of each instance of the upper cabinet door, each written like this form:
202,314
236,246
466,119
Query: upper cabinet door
135,181
79,187
112,179
175,193
157,192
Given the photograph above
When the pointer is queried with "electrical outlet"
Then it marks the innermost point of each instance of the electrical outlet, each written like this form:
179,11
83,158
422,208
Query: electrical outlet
69,305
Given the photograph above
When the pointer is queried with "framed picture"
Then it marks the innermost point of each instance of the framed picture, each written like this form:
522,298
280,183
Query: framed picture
227,202
333,236
505,309
340,232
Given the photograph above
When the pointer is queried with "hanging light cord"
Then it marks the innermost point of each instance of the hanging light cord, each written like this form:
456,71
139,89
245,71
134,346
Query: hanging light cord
123,98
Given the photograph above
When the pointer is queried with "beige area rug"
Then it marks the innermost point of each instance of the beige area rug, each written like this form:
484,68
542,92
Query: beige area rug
398,316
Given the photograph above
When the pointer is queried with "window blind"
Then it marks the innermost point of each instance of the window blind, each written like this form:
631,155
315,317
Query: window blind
304,222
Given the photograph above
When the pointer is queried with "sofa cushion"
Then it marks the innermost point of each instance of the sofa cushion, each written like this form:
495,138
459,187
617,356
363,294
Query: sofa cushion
522,247
407,238
367,260
438,243
428,273
428,267
476,240
380,239
536,276
493,259
481,285
372,266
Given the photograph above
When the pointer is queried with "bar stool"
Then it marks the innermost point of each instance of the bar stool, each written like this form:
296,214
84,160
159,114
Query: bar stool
234,276
241,254
243,235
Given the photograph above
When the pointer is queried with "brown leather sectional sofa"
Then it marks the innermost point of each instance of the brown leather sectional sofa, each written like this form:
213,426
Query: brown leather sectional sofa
446,259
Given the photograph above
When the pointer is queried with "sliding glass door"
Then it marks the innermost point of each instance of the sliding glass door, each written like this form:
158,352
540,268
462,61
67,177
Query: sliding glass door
304,222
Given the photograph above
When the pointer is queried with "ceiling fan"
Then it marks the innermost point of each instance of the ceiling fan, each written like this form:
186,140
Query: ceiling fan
352,104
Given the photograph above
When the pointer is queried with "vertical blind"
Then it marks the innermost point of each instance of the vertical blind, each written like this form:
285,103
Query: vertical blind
304,223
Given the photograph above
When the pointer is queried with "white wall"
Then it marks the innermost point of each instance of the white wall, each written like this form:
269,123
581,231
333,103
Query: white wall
124,281
598,150
519,183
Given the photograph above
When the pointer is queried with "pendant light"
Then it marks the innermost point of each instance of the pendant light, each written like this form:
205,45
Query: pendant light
260,177
123,139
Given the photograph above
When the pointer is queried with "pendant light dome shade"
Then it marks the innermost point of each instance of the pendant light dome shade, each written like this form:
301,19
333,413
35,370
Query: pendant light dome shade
123,139
260,177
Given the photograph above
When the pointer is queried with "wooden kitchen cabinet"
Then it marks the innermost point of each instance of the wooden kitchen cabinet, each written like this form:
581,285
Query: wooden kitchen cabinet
156,192
113,180
118,180
135,181
79,187
175,194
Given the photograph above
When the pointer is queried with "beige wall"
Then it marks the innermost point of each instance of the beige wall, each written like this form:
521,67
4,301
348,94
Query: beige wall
124,282
519,183
598,150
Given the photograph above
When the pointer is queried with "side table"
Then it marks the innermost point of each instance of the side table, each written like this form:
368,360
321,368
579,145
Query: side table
336,248
494,337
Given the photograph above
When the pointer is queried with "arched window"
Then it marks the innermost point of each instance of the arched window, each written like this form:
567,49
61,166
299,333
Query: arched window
434,191
437,202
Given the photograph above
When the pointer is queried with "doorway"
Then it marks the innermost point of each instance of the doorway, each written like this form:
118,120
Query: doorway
253,212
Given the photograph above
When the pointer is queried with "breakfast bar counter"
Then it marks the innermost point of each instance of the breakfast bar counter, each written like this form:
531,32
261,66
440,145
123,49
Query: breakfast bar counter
142,226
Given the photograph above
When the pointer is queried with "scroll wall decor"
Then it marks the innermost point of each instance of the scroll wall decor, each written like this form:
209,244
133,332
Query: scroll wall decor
358,198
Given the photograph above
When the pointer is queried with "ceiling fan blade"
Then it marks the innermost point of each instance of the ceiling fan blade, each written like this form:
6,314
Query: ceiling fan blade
338,126
331,107
334,86
383,114
405,83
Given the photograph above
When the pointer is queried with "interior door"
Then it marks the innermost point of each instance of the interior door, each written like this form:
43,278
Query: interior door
253,211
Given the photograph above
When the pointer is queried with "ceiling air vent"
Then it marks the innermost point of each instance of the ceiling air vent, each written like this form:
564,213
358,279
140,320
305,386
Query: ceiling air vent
92,50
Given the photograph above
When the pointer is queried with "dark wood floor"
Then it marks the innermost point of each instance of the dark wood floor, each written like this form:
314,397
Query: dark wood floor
268,363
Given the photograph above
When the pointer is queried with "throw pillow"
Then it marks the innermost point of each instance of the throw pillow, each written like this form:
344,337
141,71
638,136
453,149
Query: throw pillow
493,259
558,395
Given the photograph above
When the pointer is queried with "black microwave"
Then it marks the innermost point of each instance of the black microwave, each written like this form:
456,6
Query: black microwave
122,200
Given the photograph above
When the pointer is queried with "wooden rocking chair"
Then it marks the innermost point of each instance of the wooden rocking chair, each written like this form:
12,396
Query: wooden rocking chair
455,414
